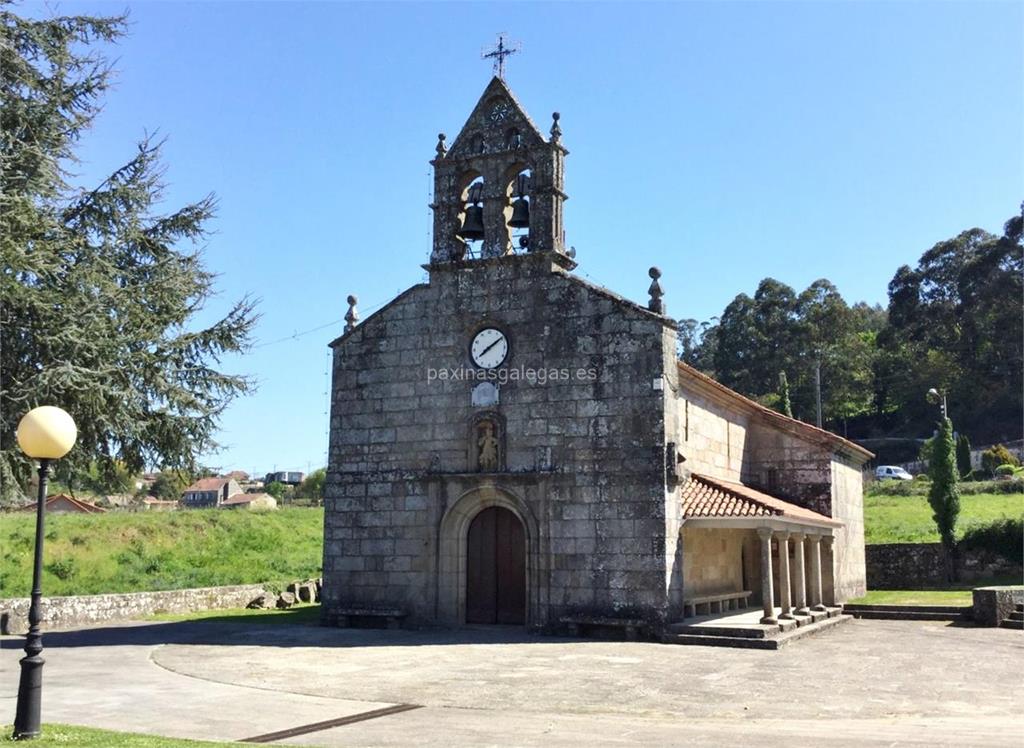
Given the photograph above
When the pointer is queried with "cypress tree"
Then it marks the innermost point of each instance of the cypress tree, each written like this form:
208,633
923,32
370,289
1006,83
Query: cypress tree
963,455
944,495
784,404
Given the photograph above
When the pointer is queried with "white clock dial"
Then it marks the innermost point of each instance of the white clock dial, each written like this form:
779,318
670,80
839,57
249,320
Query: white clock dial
489,348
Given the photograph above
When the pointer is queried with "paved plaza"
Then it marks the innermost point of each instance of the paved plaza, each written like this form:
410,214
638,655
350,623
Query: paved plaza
867,682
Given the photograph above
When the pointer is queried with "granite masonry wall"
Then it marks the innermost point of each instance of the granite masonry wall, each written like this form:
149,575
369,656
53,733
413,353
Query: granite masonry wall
900,566
582,463
82,610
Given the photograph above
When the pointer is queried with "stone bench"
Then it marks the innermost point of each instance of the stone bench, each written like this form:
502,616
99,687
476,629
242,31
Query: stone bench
716,603
392,617
632,626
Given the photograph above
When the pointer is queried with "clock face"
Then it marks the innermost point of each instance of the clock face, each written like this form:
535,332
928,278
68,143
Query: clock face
489,348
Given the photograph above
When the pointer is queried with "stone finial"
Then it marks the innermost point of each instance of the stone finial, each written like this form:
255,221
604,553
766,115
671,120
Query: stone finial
655,304
352,315
556,131
442,149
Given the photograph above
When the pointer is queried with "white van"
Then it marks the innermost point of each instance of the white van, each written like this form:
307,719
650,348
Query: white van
894,472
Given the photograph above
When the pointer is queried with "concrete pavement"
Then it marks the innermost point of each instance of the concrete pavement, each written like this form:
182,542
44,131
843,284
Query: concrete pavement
869,682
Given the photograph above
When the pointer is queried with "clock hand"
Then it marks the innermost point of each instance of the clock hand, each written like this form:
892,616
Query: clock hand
489,347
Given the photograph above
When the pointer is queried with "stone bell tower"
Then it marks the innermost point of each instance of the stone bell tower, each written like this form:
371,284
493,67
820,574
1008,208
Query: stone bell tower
498,189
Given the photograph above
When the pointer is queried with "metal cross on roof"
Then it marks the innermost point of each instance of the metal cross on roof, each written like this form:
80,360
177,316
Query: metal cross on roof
499,54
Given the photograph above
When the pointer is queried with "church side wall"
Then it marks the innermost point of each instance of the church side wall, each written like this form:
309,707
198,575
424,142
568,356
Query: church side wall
583,455
848,507
710,435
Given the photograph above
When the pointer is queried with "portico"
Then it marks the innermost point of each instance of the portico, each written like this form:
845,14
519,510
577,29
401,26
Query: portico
765,548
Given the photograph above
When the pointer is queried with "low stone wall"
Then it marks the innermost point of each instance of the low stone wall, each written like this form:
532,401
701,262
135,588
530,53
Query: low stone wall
994,604
901,566
82,610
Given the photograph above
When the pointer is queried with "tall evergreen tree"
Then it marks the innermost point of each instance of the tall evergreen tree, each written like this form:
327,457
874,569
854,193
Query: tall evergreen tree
99,287
784,404
944,495
963,455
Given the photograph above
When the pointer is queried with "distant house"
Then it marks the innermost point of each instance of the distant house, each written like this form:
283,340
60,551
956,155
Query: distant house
209,492
153,504
239,475
63,504
288,477
251,502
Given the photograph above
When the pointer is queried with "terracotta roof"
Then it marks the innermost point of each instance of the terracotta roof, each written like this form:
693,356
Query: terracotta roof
83,506
208,484
711,497
806,429
245,498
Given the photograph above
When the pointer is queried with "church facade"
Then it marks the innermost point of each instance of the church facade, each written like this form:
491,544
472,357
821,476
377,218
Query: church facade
512,444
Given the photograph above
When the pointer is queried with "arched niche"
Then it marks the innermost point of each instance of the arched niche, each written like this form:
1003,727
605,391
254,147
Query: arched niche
486,447
471,189
517,205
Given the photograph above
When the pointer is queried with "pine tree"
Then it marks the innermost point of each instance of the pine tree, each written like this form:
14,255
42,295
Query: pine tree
784,404
963,455
944,495
99,295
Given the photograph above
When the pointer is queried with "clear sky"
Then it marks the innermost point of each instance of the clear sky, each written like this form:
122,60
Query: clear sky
723,142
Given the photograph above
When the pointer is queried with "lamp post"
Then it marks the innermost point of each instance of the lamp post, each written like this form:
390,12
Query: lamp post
45,433
937,398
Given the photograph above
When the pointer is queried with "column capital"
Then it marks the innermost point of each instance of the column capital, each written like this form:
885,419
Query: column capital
783,534
798,536
828,539
765,533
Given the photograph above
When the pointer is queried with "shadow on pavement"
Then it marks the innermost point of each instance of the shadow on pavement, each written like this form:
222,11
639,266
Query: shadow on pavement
252,631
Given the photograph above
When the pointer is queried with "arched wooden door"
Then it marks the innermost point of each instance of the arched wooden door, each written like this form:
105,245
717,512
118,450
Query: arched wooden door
496,568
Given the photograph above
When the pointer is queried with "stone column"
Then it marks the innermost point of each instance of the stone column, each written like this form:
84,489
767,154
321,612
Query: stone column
785,599
767,592
800,599
816,602
830,600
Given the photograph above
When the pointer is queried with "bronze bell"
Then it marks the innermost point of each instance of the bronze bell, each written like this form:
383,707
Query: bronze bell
520,214
473,225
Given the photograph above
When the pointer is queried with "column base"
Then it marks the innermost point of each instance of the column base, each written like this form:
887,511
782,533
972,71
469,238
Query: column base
770,620
804,611
787,617
819,608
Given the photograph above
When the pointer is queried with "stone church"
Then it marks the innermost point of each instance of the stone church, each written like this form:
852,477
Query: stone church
511,444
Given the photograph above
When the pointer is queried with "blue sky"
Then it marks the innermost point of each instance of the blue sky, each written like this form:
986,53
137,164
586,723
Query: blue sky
723,142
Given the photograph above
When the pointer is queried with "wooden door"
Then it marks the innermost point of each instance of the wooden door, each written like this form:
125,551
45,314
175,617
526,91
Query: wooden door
496,568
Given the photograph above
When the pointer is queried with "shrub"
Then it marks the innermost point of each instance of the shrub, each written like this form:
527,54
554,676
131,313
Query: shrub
1004,537
1014,485
995,456
922,477
1005,471
63,569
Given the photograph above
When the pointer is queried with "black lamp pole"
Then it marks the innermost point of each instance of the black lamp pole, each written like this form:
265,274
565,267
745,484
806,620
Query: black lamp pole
30,687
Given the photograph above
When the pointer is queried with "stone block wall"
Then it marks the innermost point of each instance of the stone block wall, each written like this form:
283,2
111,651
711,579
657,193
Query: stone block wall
583,452
82,610
848,564
900,566
710,434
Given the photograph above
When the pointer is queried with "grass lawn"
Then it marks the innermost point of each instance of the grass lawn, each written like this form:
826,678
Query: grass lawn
88,737
960,595
307,615
88,554
908,519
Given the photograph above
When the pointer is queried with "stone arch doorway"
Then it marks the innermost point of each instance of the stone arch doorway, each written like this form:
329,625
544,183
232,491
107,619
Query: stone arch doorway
453,551
496,568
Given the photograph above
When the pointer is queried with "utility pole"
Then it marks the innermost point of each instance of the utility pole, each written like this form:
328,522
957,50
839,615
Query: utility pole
817,386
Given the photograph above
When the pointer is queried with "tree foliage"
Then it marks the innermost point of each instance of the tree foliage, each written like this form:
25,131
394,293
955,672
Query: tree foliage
100,286
953,323
963,455
944,496
312,486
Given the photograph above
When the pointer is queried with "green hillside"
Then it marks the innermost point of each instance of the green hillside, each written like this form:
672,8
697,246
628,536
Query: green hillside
119,552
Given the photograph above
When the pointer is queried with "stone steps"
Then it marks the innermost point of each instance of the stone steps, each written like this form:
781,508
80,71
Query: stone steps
1015,620
751,638
910,612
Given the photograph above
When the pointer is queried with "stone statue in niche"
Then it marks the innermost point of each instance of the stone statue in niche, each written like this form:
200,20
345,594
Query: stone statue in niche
487,444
